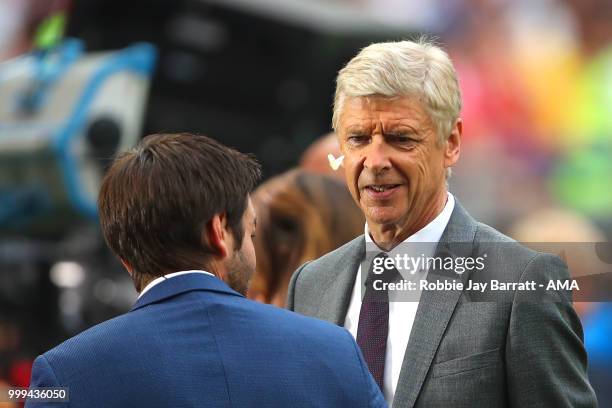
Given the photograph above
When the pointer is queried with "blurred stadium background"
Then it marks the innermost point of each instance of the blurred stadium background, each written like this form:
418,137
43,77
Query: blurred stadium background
82,79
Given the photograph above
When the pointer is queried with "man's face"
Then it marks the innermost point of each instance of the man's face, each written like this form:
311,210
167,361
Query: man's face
395,167
241,264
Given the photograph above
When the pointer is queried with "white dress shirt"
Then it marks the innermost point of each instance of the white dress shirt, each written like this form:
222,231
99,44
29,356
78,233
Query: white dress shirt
401,314
169,276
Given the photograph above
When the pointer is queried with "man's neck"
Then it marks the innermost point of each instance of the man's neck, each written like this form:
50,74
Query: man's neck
389,236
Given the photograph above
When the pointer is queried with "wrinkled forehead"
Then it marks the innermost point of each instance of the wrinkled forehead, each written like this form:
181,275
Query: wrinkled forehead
378,110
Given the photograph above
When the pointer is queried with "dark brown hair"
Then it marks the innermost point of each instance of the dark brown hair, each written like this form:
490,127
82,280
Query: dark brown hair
300,217
156,199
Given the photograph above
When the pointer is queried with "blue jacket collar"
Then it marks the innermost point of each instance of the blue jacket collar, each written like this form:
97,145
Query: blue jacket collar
181,284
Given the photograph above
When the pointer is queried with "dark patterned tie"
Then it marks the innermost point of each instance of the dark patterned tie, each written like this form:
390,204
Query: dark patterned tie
373,327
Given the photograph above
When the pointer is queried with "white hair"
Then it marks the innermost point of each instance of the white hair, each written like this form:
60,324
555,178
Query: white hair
403,68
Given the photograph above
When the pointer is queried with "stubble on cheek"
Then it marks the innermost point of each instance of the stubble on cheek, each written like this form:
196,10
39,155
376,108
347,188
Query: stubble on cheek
240,273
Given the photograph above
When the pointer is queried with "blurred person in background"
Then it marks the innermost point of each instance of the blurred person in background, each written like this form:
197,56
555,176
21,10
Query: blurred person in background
176,211
396,113
574,235
301,216
316,157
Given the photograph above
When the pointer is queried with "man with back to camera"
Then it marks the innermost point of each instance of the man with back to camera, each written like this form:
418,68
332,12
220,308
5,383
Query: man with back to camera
176,211
396,114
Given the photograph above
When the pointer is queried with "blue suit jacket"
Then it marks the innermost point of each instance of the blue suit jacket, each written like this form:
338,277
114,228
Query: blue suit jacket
191,341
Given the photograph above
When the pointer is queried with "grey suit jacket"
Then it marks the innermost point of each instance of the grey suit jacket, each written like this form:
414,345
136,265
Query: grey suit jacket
471,350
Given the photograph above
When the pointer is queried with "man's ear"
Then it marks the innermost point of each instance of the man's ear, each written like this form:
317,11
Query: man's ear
216,232
127,267
452,146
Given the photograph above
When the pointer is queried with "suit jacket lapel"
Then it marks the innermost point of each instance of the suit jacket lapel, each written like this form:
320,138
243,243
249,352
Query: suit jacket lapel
337,290
434,311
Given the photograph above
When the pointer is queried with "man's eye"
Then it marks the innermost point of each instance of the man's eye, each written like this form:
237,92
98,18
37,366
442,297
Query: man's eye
401,139
357,139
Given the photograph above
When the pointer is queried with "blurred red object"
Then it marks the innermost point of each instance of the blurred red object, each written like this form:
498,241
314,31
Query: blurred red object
20,373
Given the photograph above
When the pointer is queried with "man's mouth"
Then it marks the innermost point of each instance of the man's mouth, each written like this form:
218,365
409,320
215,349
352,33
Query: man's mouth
381,191
381,187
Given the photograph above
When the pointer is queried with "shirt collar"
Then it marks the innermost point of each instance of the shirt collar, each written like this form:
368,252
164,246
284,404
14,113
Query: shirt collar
156,281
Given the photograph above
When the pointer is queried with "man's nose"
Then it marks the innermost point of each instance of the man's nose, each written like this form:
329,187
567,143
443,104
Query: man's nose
377,155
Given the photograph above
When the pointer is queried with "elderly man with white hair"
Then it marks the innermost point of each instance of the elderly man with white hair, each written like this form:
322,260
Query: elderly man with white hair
396,115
